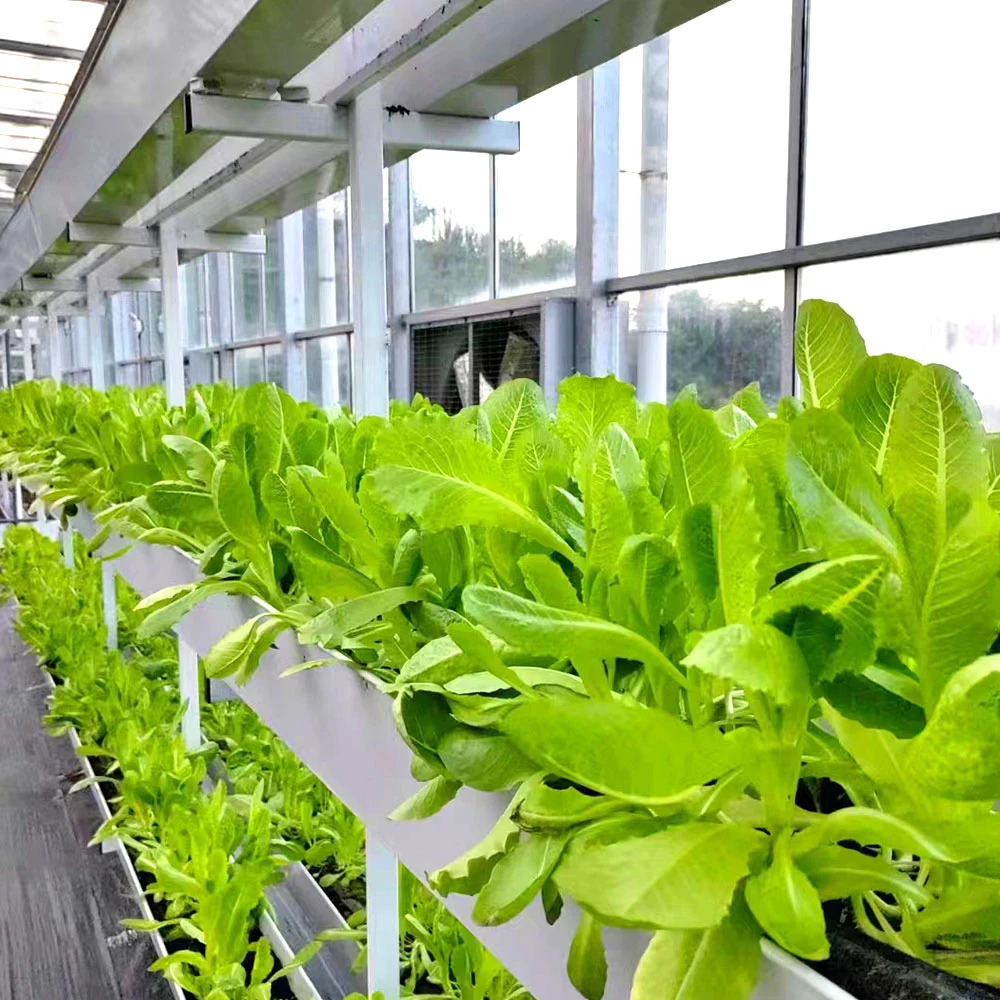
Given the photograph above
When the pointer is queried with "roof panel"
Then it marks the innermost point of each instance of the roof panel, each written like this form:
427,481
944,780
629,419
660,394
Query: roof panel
37,69
67,24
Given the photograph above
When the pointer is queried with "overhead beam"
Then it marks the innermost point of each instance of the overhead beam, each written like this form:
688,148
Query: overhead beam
251,118
195,241
40,49
119,236
61,285
285,120
471,135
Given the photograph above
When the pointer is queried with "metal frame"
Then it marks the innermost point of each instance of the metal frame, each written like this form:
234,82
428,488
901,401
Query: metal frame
251,118
79,285
148,239
936,234
318,334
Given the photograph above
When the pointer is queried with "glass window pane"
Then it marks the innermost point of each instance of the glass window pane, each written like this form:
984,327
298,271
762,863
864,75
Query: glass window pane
195,302
326,254
128,375
274,278
899,113
953,321
451,227
249,366
81,350
536,195
328,371
723,335
716,97
220,319
248,297
274,364
149,308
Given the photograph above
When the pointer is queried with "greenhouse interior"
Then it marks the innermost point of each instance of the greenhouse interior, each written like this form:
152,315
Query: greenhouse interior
499,500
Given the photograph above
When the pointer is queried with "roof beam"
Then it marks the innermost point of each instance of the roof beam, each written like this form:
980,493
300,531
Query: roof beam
62,285
139,236
40,49
261,119
471,135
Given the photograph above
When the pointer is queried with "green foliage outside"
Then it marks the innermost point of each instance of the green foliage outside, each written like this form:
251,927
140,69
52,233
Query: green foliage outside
454,266
668,631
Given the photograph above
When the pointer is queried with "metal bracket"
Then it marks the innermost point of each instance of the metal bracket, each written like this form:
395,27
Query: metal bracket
258,119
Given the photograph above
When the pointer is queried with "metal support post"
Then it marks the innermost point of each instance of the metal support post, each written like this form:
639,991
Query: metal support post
597,330
190,691
55,344
95,324
110,601
400,270
69,558
370,347
173,333
653,312
382,882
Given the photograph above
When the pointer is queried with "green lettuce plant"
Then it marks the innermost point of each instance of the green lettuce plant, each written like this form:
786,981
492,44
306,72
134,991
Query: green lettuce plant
665,629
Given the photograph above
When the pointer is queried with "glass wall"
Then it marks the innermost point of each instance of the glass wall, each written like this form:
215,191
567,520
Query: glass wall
704,139
717,335
452,246
901,115
953,321
536,196
328,370
897,133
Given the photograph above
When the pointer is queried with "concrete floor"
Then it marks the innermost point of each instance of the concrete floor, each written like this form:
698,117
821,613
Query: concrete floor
60,901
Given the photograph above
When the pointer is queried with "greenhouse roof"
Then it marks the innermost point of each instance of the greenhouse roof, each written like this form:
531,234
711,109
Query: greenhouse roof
42,44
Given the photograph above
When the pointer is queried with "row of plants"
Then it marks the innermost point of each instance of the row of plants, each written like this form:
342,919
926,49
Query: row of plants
731,664
438,956
205,858
308,822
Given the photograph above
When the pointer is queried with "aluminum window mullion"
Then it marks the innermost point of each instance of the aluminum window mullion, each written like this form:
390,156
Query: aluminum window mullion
494,259
794,187
936,234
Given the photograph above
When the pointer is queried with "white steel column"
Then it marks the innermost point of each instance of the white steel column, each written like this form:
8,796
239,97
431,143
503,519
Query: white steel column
69,560
56,364
597,327
652,314
110,601
371,396
190,691
382,881
173,332
95,340
400,260
370,347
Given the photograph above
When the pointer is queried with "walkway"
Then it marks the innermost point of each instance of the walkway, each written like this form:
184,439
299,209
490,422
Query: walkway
60,902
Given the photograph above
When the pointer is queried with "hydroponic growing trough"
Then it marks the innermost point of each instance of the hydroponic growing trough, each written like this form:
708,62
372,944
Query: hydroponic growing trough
341,727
